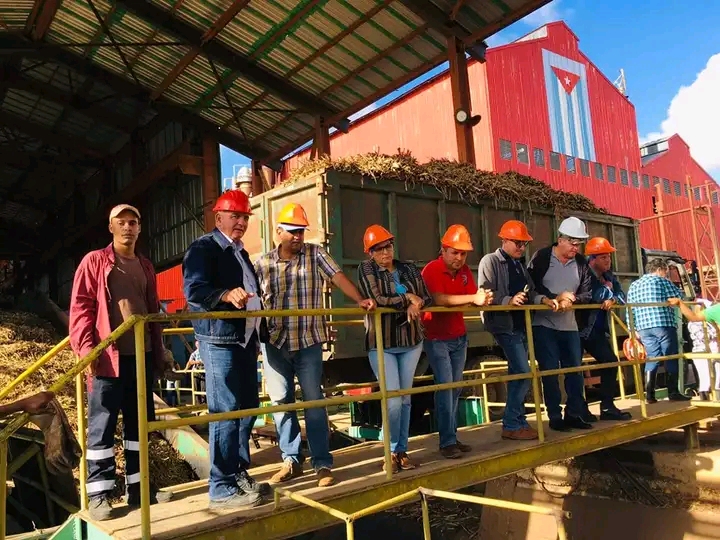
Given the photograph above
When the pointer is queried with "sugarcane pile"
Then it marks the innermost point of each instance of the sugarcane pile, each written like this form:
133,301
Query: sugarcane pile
511,189
24,338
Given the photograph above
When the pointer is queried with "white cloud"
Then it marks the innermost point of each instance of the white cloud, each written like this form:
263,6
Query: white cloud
695,116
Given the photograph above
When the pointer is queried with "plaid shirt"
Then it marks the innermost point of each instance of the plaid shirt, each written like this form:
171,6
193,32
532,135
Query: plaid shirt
296,284
652,288
378,283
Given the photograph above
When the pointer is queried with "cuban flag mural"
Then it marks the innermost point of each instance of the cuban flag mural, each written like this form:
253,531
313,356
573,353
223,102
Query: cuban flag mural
568,106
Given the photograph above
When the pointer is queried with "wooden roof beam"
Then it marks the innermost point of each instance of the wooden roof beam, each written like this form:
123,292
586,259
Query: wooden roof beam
436,18
219,52
129,89
40,19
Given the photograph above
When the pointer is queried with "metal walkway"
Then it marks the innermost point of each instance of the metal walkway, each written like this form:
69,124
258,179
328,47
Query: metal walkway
361,482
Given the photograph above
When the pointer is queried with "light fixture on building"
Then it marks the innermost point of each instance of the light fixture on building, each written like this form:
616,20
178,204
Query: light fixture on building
463,117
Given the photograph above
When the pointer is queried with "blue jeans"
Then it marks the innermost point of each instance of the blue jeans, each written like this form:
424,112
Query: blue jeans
281,366
515,347
231,382
400,364
560,349
660,341
447,359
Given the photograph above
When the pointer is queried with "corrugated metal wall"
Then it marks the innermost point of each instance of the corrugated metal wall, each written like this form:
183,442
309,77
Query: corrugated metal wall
170,288
173,218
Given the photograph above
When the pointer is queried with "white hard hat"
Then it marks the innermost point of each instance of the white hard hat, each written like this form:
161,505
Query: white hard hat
573,228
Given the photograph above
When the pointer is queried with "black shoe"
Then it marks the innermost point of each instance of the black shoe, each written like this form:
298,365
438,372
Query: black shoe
613,413
589,417
576,422
557,424
99,508
248,484
673,392
650,377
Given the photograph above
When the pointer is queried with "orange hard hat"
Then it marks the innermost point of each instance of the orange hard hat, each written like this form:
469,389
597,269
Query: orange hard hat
598,246
629,350
457,237
233,200
374,235
515,230
293,214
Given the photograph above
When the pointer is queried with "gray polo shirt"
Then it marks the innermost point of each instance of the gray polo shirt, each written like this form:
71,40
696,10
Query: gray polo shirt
559,277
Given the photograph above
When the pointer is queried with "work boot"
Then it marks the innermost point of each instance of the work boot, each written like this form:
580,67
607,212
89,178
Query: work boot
672,387
588,416
650,377
290,469
576,422
238,500
557,424
248,484
133,496
325,477
99,508
611,412
404,461
450,452
394,464
462,447
523,434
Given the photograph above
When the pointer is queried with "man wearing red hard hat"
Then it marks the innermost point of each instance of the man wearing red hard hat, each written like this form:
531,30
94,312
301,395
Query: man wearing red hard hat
219,276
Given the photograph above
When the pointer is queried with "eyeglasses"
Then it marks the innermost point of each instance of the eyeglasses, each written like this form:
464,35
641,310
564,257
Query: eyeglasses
385,247
520,244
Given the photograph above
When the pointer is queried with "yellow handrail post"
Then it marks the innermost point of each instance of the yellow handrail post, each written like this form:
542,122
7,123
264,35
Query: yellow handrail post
613,339
350,529
639,386
711,362
82,437
3,485
486,407
140,368
425,517
377,323
535,379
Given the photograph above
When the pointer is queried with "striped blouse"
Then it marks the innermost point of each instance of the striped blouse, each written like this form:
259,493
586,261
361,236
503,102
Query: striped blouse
382,286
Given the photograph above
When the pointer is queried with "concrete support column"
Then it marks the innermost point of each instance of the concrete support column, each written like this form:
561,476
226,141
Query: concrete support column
210,179
461,99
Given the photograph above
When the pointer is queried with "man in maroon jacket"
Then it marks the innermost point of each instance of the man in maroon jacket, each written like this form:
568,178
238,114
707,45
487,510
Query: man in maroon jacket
110,285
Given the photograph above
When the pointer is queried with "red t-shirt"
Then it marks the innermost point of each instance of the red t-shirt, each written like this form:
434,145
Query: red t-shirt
438,279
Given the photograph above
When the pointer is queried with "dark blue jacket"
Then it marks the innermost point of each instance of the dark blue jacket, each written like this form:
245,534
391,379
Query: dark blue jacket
210,269
598,318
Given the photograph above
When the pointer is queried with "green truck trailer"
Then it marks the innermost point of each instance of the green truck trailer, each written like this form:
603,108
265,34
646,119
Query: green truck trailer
341,205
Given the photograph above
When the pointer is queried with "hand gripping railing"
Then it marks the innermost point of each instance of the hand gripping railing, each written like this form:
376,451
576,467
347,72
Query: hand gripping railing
138,324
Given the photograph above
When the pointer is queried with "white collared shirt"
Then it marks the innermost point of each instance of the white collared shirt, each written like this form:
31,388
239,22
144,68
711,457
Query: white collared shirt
252,324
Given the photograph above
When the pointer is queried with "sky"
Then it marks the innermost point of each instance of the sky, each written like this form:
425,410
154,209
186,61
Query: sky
670,54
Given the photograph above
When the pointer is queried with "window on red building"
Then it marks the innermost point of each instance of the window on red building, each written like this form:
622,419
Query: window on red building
624,177
570,164
599,171
714,198
554,161
635,179
656,180
696,192
611,174
505,149
687,192
646,181
539,155
584,167
666,185
676,188
522,153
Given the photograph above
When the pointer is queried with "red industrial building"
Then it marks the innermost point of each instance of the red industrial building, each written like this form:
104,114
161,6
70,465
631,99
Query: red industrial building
546,111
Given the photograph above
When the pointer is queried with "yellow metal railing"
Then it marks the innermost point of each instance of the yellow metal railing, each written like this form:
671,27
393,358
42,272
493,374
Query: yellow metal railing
423,494
138,323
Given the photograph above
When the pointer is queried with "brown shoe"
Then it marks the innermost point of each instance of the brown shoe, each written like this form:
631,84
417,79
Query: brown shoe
289,470
450,452
462,447
325,477
404,462
522,434
394,464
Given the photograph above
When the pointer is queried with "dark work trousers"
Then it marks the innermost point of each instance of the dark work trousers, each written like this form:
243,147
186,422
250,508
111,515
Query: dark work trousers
231,382
106,398
598,346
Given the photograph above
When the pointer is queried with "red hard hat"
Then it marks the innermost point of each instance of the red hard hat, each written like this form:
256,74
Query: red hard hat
515,230
374,235
233,200
598,246
457,237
